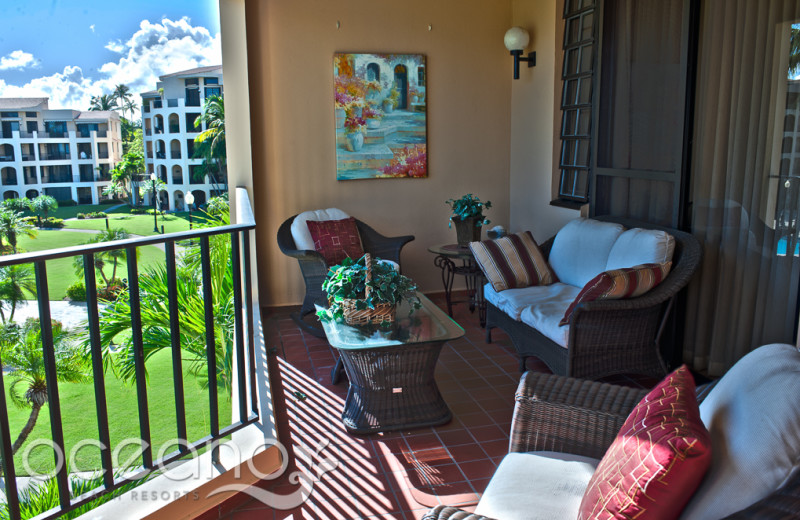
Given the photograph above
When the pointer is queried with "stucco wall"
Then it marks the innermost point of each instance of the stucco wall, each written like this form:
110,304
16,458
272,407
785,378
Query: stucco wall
290,52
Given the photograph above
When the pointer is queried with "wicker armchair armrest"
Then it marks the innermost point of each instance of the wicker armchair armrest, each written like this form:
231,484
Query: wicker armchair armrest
382,246
451,513
557,413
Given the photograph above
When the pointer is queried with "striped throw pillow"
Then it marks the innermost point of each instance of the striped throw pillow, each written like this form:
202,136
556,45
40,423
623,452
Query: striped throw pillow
618,284
512,262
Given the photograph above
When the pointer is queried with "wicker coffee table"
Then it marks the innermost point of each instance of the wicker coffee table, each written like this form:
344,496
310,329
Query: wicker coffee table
392,386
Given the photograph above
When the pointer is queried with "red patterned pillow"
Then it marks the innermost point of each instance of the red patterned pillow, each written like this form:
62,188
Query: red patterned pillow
335,240
658,459
618,284
514,261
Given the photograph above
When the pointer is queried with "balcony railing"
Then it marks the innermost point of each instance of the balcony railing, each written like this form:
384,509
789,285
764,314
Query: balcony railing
102,154
147,131
28,157
172,103
54,156
243,353
175,154
56,178
174,129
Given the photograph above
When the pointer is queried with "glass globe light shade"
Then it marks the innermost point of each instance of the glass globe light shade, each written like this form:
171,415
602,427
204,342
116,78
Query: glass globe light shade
152,176
189,199
516,39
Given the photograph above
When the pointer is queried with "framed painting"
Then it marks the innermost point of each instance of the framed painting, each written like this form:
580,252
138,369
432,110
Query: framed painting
381,120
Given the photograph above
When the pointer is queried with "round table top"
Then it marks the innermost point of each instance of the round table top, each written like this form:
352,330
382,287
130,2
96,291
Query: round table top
452,250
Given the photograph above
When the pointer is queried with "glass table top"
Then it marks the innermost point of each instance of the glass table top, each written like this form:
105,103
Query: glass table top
427,324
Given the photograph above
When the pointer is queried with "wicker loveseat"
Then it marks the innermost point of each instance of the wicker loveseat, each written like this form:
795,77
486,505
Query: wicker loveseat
313,265
752,415
603,337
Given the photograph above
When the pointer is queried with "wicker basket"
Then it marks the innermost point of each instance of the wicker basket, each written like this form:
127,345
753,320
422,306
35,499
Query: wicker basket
383,312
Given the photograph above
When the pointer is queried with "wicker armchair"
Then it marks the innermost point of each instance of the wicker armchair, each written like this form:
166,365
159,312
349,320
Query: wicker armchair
568,415
314,268
608,337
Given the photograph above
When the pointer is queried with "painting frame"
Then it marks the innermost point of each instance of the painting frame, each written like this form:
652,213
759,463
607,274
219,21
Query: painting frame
380,109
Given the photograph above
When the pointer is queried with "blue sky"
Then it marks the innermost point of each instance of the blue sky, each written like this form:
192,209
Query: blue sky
71,50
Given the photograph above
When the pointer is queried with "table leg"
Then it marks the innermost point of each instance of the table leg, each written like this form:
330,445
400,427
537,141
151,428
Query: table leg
336,371
448,274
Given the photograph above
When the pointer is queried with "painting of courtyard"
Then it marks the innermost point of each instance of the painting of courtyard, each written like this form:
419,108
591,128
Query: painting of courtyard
380,116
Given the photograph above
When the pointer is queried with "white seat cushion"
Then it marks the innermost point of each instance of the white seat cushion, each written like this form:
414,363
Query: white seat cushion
540,485
301,234
514,301
753,416
580,250
545,316
641,246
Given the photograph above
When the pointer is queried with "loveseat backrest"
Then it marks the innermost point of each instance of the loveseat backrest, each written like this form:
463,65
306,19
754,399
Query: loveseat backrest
580,250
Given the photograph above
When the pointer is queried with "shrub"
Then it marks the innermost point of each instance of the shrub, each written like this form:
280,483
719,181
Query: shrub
93,214
80,216
77,292
112,292
50,222
138,211
66,203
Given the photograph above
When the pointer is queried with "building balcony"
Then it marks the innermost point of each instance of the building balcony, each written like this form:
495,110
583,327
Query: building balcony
102,155
147,131
28,157
54,157
56,179
174,129
161,155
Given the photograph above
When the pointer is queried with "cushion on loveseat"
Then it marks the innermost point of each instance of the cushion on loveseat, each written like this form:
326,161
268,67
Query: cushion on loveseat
301,234
580,250
640,246
514,301
512,262
546,314
753,416
540,485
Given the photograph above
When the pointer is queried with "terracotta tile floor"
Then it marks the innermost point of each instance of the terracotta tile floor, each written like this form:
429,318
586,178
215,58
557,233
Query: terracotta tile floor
394,475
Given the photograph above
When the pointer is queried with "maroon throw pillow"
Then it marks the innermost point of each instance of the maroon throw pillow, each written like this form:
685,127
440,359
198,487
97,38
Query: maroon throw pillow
336,240
658,459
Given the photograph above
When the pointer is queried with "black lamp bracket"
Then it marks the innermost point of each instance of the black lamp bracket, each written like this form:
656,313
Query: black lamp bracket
531,59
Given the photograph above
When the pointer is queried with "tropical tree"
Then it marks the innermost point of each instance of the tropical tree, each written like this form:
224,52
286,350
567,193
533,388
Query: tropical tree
12,225
115,322
122,96
15,281
105,258
103,102
210,144
131,165
42,204
25,358
20,204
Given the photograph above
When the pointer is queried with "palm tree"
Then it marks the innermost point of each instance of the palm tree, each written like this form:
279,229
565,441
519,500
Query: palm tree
103,102
122,95
115,321
12,225
102,259
211,142
25,359
43,204
15,280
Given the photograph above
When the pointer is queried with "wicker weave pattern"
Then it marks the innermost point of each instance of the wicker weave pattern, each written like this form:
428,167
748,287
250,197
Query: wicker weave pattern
608,337
314,268
451,513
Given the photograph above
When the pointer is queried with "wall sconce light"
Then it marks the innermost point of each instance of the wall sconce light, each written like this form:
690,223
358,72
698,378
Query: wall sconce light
516,39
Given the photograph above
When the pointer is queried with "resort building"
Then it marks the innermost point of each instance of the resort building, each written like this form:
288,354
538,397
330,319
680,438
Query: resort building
67,154
168,122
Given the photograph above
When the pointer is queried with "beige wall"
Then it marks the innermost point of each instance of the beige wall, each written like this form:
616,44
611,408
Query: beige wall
290,51
535,116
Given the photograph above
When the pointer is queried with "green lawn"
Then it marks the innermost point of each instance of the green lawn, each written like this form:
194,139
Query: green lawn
139,224
79,417
61,273
72,211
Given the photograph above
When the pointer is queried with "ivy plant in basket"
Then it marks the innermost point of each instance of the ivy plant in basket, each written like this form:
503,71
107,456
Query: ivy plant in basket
366,291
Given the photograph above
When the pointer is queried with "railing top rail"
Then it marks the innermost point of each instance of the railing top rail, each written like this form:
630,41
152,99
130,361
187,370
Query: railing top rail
64,252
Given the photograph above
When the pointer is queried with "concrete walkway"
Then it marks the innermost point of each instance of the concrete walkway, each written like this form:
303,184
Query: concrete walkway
70,314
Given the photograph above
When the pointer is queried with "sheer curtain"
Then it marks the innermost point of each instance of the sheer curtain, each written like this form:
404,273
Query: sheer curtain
745,189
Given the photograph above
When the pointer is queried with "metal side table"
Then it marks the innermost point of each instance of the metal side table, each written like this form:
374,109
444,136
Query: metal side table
446,257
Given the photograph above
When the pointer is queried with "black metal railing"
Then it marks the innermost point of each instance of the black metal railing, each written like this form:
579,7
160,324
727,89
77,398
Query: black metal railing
244,356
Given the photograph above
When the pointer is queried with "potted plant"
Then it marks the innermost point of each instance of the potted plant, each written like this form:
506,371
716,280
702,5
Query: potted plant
366,291
354,127
468,217
391,102
373,117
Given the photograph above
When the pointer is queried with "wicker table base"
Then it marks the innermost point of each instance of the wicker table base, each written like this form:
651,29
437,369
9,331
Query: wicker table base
391,370
393,388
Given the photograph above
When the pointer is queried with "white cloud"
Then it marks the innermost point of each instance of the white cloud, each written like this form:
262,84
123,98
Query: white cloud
91,27
152,51
18,60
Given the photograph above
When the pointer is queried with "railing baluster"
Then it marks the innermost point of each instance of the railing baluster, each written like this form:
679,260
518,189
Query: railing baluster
238,324
51,377
211,351
138,356
175,339
9,473
93,317
248,299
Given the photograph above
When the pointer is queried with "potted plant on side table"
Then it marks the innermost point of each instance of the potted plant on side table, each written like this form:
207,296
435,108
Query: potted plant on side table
366,291
468,217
